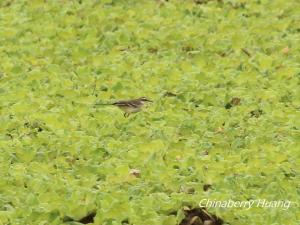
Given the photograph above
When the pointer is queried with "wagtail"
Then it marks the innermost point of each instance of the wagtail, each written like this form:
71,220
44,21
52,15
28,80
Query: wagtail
130,106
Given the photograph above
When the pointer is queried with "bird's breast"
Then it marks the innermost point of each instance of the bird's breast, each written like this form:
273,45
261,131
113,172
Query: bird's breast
129,109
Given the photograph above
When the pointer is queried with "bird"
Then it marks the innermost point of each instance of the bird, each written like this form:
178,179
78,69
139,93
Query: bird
130,106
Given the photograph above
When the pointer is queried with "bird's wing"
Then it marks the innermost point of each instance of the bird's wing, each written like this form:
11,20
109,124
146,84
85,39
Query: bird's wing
132,103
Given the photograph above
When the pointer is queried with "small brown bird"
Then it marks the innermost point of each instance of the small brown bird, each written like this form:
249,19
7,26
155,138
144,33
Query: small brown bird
130,106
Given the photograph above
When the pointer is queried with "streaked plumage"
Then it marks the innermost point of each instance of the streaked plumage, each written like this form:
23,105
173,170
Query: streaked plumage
131,106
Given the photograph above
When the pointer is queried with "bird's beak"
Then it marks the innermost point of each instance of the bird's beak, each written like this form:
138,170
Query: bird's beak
149,100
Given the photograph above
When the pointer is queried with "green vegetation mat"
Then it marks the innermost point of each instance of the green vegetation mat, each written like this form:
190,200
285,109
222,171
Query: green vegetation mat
224,78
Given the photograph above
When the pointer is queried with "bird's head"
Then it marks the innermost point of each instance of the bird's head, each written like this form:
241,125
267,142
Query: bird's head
144,99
